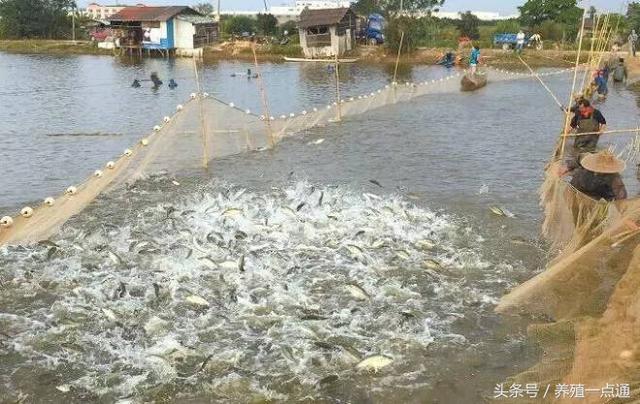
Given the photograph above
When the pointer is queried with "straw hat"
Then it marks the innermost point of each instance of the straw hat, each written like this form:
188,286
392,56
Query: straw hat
603,162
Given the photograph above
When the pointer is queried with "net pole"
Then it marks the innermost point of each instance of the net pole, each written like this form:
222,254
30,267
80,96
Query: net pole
337,69
395,70
573,87
205,145
263,97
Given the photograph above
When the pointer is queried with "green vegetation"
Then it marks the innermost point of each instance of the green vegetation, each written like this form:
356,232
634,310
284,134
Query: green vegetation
52,47
468,25
238,24
48,19
266,24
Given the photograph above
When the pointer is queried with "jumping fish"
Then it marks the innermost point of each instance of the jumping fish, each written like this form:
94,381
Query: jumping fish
316,142
197,301
65,388
232,212
320,199
425,244
497,211
431,264
357,292
327,380
109,314
300,206
374,363
374,182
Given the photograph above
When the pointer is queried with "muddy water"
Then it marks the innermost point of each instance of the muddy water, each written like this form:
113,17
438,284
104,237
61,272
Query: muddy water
274,275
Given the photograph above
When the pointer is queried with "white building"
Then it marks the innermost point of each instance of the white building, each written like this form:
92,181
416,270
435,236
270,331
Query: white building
102,12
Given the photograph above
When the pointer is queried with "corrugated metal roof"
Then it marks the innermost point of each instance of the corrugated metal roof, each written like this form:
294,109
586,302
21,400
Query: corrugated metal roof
197,19
329,16
130,14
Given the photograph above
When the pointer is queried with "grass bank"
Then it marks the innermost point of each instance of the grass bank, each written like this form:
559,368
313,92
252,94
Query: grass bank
241,50
53,47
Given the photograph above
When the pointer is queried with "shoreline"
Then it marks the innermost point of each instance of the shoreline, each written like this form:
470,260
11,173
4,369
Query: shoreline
274,53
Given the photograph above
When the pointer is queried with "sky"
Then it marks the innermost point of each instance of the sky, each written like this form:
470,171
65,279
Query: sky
504,7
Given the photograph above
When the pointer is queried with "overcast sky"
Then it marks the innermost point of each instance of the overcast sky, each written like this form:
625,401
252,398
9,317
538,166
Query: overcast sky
504,7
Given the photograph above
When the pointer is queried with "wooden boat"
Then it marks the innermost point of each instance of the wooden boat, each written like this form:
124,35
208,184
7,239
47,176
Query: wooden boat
343,60
473,82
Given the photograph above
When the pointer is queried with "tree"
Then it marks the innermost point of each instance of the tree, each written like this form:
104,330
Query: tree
394,29
509,26
204,8
267,24
468,25
36,18
592,12
392,7
534,12
239,24
633,15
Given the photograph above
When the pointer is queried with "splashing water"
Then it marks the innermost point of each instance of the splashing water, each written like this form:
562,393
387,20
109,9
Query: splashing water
229,294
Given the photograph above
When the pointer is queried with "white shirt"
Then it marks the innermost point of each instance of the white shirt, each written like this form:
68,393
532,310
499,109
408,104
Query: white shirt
520,37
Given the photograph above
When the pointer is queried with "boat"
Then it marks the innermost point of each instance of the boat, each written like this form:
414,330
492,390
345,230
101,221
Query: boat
472,82
343,60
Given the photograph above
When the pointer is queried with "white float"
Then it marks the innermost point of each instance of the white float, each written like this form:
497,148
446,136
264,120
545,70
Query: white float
49,201
71,190
6,221
26,212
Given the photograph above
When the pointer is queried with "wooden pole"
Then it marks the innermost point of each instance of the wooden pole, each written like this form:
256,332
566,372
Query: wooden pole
339,110
395,70
263,96
567,119
605,132
203,129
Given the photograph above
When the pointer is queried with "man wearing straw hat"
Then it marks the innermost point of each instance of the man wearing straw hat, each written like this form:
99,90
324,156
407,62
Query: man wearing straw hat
599,176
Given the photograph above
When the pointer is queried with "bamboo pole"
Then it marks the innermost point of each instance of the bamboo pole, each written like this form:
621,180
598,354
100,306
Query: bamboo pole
263,96
605,132
339,109
573,87
395,70
203,129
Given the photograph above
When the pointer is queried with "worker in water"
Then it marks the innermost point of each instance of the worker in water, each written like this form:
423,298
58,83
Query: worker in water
599,176
620,71
601,84
474,59
587,123
520,41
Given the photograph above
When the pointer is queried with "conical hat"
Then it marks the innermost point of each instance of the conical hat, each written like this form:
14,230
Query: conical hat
603,162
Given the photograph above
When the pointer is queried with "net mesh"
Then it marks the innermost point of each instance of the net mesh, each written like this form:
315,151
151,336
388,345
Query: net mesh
205,128
588,293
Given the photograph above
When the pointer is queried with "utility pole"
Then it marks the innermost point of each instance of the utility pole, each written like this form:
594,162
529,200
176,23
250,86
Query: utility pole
218,12
265,7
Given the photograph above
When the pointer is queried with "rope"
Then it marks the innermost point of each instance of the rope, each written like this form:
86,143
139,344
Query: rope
542,82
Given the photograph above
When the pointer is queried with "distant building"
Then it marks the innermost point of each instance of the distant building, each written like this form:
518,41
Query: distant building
328,32
179,30
99,12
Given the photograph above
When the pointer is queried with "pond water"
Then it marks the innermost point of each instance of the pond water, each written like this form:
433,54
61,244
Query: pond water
311,257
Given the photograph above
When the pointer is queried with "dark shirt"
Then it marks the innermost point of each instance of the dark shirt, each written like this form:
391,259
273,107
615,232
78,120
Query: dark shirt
597,115
599,186
587,143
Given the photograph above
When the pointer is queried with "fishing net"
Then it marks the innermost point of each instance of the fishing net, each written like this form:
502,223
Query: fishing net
206,128
587,295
